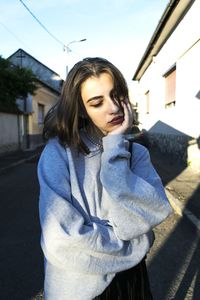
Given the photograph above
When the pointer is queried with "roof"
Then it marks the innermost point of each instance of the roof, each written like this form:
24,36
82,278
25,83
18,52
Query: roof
173,14
44,74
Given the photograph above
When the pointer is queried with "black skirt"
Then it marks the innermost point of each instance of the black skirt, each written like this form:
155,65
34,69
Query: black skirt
132,284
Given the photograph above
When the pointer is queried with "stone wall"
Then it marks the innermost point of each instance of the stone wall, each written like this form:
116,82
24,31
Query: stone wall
176,145
181,147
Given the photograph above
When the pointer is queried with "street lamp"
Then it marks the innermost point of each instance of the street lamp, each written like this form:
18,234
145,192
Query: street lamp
66,47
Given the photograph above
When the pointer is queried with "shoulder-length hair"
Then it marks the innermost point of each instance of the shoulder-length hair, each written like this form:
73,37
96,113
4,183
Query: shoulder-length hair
66,118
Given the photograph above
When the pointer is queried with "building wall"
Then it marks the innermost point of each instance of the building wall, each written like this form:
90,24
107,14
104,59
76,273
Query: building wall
45,97
9,126
187,96
13,132
25,131
175,126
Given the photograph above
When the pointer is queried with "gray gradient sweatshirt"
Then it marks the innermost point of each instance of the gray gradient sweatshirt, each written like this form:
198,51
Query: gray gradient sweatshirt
96,214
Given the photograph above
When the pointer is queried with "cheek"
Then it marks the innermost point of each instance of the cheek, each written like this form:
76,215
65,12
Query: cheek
96,117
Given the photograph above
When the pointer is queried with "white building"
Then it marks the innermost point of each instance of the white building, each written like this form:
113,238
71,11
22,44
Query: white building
168,77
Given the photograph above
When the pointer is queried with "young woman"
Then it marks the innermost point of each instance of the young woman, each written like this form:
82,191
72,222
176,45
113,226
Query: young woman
100,196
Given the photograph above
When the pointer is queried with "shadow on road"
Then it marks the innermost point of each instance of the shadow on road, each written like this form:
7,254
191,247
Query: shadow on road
192,275
177,262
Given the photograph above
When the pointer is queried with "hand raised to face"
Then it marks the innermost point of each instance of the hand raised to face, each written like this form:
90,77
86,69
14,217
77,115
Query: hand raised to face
127,121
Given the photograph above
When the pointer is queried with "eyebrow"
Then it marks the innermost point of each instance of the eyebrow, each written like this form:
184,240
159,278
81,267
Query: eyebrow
95,98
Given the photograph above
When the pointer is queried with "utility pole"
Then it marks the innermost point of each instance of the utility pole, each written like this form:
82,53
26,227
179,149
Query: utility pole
24,124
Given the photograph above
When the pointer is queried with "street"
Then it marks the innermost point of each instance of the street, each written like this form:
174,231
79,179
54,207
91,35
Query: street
173,262
21,275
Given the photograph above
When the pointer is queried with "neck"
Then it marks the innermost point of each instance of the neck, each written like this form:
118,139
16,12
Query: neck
94,136
94,132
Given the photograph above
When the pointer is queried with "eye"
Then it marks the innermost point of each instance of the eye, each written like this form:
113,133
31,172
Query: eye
97,104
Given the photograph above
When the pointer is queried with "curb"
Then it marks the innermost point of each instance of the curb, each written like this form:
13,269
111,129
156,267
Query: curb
181,210
19,162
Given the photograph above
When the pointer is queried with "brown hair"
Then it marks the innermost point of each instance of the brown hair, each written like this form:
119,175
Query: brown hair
66,118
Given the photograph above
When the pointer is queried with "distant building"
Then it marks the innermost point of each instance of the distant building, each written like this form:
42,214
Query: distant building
35,107
168,75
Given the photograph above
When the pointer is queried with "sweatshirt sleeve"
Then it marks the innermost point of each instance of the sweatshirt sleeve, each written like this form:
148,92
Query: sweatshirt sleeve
68,239
135,194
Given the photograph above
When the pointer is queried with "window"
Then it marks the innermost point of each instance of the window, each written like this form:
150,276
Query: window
170,87
147,96
40,113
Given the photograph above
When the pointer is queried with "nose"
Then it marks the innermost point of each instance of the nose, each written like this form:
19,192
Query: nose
113,106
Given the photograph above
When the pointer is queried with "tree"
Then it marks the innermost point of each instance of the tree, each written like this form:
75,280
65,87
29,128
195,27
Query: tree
15,82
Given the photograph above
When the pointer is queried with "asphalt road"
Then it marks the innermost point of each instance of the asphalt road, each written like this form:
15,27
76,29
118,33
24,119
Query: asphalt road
21,275
173,262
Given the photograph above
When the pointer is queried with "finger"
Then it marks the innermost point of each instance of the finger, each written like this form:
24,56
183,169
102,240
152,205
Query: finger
130,112
125,108
126,100
127,116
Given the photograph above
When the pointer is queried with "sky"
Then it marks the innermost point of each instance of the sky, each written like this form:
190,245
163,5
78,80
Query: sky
118,30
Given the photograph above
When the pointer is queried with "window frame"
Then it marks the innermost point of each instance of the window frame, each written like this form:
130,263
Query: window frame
170,87
41,113
147,102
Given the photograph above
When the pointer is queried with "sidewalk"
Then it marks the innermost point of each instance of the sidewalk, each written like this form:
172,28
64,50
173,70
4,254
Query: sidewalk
13,159
182,185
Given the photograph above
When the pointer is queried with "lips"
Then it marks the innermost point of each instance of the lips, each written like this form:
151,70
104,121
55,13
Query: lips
117,120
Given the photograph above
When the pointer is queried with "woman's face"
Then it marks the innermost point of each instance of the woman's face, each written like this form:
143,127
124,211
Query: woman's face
102,107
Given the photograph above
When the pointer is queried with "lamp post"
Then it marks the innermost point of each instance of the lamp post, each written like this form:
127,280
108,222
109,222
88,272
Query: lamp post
72,42
66,47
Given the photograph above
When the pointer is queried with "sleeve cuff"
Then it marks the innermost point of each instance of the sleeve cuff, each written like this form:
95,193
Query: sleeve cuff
114,141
